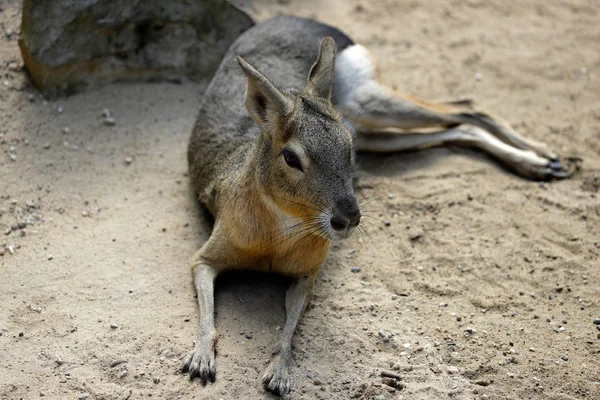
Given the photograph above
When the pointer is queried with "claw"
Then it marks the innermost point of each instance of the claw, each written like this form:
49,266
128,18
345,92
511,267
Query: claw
555,165
276,378
200,363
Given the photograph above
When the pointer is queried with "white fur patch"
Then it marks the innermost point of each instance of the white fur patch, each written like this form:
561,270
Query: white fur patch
353,68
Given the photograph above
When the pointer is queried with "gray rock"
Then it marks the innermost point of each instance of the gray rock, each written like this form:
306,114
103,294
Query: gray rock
70,45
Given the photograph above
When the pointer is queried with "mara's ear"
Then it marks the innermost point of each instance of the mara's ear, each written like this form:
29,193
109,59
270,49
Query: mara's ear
320,77
262,97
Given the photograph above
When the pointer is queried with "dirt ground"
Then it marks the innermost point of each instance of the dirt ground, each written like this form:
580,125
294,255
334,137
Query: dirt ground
483,286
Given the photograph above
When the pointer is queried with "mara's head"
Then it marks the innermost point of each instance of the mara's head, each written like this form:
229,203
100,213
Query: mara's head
306,161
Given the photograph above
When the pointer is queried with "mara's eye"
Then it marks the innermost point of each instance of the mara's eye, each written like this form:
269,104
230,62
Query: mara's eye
292,160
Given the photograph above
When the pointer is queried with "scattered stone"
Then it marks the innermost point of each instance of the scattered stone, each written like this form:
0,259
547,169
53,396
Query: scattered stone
7,231
13,158
21,334
123,374
46,146
387,222
60,109
420,268
470,331
380,397
113,325
109,121
248,336
187,319
452,370
50,257
389,374
596,321
85,214
83,396
128,160
355,269
11,250
156,380
66,129
59,361
478,76
416,235
117,362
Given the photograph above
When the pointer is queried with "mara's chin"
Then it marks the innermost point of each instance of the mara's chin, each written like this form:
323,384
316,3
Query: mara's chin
335,235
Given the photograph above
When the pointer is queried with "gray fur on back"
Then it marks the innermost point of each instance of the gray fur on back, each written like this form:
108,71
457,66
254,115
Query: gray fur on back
283,49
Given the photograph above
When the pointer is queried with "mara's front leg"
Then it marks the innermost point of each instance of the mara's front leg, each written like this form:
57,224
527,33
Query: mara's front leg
201,361
276,377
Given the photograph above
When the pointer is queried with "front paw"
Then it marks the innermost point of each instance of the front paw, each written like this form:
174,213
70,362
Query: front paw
277,378
201,361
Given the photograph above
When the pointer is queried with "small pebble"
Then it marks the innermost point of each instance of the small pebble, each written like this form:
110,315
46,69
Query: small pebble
109,121
114,326
355,269
478,76
117,362
50,257
83,396
596,321
13,158
128,160
60,109
248,336
46,146
387,222
452,369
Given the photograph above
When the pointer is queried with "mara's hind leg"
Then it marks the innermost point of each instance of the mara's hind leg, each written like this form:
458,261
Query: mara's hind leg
524,162
358,94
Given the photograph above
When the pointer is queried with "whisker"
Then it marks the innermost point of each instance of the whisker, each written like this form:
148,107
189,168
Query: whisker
294,202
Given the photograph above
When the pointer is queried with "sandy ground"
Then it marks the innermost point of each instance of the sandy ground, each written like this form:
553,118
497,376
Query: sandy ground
484,285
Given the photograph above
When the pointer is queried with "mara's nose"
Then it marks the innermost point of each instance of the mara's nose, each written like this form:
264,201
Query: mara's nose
345,214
